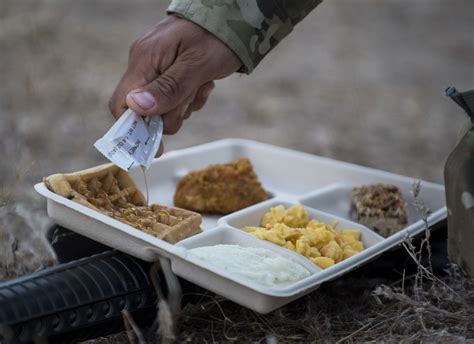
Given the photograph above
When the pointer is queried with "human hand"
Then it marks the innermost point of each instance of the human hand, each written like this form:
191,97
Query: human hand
171,72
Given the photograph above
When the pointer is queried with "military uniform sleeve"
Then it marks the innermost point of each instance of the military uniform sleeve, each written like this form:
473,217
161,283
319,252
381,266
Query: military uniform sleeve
251,28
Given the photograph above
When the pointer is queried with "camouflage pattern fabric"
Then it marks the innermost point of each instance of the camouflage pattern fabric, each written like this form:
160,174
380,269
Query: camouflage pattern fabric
251,28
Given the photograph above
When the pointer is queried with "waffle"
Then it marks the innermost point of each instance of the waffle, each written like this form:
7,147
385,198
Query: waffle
380,207
111,191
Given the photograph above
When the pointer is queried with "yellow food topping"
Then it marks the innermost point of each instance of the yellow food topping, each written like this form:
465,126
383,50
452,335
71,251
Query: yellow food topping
293,217
320,242
323,262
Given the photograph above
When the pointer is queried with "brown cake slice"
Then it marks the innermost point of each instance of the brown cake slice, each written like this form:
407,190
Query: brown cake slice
380,207
110,190
220,188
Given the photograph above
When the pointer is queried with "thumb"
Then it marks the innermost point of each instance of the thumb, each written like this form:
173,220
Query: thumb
165,92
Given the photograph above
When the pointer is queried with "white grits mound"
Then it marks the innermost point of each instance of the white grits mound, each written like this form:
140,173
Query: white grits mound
257,264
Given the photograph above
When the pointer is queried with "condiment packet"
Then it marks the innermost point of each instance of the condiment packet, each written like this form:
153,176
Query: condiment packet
132,140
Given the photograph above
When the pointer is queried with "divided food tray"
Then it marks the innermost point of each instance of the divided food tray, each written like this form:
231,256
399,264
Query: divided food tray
322,185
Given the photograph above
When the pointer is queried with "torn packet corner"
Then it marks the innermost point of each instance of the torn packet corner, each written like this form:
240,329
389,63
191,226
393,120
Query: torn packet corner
132,140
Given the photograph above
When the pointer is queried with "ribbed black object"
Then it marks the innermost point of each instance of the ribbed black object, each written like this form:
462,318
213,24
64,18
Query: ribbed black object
90,292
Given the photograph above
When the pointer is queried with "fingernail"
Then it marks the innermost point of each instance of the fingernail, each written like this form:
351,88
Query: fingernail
143,99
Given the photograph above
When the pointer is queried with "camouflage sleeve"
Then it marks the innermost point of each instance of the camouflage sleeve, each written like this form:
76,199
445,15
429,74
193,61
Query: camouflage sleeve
251,28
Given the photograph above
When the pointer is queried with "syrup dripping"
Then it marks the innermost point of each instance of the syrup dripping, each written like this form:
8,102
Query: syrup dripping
146,184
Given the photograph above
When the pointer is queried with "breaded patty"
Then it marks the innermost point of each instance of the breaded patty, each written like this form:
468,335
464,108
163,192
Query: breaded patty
220,188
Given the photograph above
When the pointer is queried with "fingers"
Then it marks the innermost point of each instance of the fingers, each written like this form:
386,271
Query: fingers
142,69
167,91
199,100
174,119
167,64
202,95
171,123
188,112
117,103
160,150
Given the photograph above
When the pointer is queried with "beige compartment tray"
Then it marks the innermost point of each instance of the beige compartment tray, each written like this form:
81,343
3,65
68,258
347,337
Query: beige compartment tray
290,176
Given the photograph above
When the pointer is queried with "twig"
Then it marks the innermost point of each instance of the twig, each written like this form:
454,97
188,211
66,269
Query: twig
132,328
212,332
353,333
429,274
424,213
168,308
403,282
221,310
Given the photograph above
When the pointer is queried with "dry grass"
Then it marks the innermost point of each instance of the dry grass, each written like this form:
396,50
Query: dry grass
23,245
352,310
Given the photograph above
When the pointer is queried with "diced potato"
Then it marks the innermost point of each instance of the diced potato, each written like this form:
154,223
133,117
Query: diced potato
354,233
274,237
286,232
323,262
290,245
275,215
303,246
348,252
259,234
357,245
315,224
331,227
324,236
266,235
250,229
347,240
310,236
320,242
339,240
314,252
332,250
296,216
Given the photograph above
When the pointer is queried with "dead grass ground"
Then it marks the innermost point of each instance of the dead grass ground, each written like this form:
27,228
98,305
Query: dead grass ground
356,81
